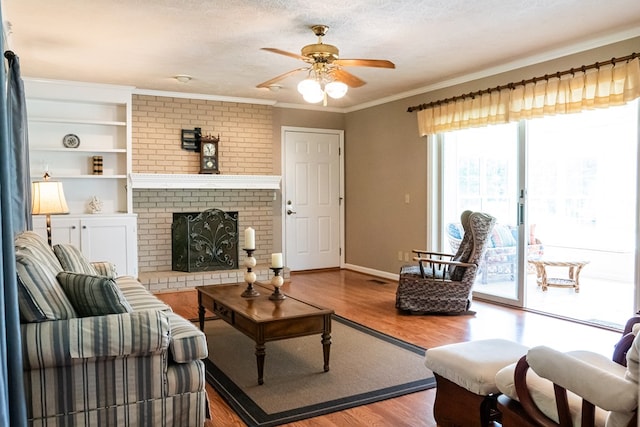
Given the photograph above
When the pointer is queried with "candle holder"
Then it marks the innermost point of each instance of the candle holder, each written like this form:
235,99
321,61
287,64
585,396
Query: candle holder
250,276
277,282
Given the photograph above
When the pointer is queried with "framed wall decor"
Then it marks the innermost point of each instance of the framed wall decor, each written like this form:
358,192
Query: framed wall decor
191,139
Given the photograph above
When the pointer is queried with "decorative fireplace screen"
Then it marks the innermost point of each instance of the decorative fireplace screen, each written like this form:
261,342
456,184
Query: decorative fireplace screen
204,241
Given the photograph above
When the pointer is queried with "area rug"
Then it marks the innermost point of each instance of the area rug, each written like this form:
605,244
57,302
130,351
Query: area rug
366,366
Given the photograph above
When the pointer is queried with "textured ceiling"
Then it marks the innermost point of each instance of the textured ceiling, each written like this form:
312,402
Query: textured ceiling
145,43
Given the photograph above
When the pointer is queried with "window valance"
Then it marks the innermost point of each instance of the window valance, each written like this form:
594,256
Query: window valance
600,85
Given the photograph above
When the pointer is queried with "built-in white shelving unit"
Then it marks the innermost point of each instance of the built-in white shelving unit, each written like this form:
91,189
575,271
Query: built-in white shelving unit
100,116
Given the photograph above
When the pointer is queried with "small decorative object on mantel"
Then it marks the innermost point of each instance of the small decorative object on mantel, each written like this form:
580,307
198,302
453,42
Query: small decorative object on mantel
95,205
209,154
71,140
191,139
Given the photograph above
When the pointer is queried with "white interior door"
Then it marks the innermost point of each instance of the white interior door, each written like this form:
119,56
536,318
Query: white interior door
312,198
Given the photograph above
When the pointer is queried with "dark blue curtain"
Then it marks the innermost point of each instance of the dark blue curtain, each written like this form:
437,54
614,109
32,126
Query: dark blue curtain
12,400
18,135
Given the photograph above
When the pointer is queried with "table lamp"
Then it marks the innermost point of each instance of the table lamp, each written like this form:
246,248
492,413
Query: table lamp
48,199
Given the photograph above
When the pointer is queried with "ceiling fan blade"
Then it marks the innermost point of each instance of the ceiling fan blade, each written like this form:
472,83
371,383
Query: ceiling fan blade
348,78
281,76
379,63
285,53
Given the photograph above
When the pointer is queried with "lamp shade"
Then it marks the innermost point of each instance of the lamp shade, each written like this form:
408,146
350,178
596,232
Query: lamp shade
48,198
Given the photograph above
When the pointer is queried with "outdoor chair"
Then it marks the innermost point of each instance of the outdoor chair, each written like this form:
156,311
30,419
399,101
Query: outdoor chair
501,257
440,282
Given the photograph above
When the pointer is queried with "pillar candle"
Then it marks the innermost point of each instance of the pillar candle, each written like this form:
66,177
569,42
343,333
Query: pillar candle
276,260
249,238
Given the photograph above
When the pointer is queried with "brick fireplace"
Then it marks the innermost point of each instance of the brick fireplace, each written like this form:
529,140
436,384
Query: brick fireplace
155,208
246,149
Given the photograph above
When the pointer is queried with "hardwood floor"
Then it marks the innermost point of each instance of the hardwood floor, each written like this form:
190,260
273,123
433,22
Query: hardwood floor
364,299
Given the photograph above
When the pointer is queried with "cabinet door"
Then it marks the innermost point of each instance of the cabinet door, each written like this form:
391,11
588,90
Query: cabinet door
63,229
111,239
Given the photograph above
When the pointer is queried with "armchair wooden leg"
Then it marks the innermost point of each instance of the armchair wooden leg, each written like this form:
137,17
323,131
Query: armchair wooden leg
456,406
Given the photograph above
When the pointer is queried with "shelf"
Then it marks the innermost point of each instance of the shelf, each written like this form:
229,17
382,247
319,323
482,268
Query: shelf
55,177
78,122
193,181
81,150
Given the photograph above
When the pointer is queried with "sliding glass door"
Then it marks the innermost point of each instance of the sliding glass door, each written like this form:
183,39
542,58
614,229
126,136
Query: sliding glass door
480,173
563,190
582,196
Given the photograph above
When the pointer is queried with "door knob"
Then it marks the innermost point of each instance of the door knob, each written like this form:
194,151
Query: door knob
290,212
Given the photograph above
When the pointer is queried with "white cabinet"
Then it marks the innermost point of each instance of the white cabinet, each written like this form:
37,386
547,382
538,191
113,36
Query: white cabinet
100,116
100,237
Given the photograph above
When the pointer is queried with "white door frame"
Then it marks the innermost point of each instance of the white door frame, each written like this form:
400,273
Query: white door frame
283,159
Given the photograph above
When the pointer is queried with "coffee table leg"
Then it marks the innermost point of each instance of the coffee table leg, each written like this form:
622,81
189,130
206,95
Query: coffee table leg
326,349
200,313
260,353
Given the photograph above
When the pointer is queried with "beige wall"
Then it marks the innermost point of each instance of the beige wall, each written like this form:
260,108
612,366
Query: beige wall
386,160
384,163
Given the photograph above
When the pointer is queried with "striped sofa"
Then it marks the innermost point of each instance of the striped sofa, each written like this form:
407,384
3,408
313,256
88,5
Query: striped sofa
100,350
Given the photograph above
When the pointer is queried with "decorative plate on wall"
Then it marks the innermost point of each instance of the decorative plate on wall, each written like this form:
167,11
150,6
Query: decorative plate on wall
71,141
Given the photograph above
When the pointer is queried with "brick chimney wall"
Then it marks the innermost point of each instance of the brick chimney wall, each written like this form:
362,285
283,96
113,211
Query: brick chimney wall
245,148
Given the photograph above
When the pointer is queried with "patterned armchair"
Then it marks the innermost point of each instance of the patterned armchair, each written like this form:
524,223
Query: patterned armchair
500,258
442,283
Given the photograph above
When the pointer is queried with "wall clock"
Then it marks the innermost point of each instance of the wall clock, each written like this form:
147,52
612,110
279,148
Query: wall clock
209,155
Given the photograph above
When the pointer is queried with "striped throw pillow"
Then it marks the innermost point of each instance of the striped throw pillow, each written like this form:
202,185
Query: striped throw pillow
73,260
40,296
93,295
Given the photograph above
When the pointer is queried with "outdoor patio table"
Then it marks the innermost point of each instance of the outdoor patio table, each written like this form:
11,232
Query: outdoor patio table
573,281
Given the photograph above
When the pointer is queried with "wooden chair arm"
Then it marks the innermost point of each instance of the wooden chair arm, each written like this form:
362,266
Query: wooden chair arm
444,262
524,396
425,252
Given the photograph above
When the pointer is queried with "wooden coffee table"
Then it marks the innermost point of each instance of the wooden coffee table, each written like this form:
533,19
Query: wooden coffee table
263,320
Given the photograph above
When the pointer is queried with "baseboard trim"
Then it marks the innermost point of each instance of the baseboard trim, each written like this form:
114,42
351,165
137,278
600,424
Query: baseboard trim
371,271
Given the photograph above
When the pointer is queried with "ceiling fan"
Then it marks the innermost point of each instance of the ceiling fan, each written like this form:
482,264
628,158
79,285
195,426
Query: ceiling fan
324,67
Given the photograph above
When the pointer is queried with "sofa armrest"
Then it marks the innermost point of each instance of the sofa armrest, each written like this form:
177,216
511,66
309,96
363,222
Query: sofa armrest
188,343
105,268
63,342
601,385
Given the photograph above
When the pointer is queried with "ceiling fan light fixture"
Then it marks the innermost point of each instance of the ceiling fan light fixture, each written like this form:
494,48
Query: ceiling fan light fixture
313,97
336,89
309,86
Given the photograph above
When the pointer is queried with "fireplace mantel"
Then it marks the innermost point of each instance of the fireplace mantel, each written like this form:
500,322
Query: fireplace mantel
202,181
